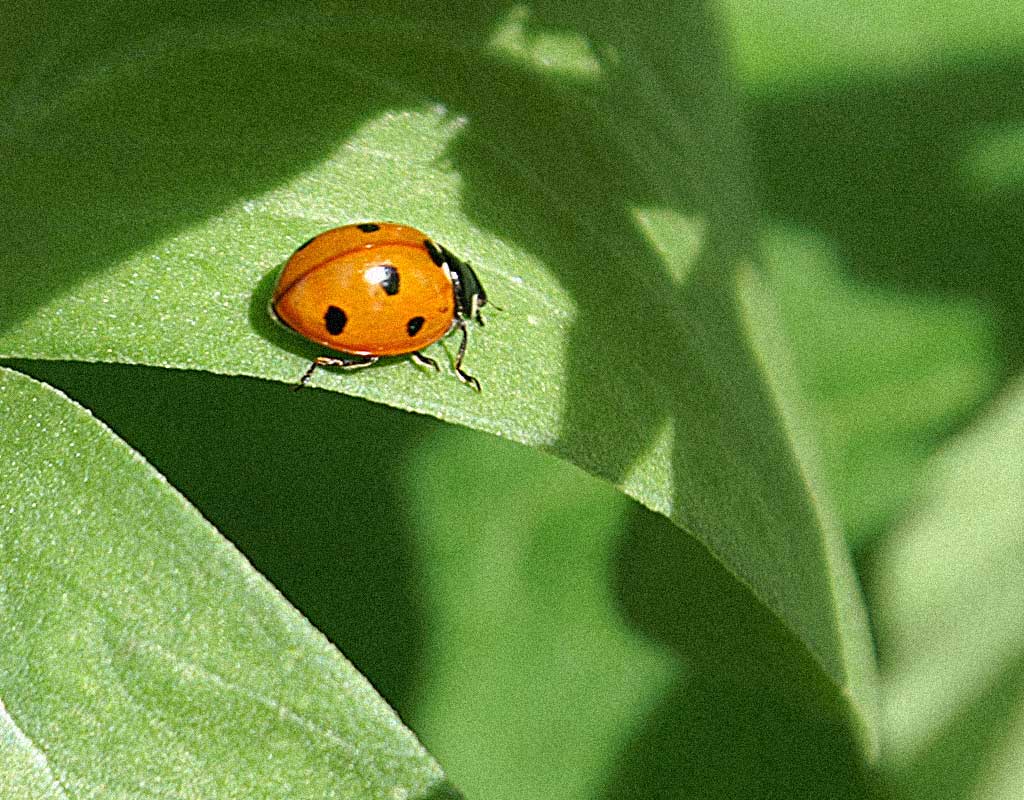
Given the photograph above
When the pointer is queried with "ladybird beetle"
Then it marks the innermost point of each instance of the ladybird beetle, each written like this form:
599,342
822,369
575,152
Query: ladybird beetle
377,289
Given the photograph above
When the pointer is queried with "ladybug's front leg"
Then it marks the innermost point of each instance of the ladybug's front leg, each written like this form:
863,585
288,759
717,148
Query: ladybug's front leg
462,375
331,361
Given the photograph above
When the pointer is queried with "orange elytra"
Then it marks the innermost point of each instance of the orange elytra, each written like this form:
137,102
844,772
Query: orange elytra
376,289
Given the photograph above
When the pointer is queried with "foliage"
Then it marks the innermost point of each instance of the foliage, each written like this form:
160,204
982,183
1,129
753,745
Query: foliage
541,633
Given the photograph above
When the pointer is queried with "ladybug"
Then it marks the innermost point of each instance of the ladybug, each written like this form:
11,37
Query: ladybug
377,289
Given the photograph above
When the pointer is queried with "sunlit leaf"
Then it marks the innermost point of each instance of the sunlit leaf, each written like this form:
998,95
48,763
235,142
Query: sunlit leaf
140,652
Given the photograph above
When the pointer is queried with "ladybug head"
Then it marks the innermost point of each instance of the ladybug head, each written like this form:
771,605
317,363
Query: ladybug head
470,296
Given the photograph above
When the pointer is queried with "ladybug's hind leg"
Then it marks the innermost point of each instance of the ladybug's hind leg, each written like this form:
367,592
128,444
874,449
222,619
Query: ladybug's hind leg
331,361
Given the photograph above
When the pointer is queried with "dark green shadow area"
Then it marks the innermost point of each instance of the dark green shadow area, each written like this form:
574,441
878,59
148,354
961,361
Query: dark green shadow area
883,168
441,791
752,715
262,321
303,483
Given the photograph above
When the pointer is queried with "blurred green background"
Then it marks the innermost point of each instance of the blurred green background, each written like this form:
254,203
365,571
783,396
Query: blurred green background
889,143
889,140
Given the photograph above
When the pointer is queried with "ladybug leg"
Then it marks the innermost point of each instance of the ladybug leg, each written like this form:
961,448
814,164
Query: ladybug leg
424,361
330,361
464,376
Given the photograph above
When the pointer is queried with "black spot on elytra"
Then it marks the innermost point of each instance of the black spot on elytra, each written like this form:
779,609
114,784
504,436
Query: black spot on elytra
436,253
389,283
335,320
305,244
368,227
414,325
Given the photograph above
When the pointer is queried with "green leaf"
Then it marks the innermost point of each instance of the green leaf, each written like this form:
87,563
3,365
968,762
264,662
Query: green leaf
949,602
141,652
541,634
589,164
